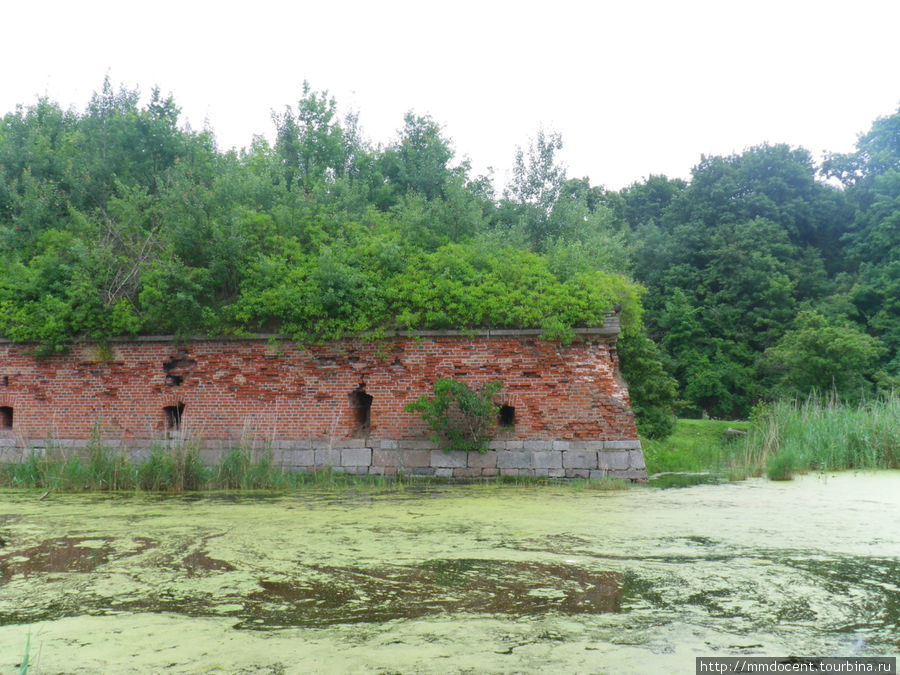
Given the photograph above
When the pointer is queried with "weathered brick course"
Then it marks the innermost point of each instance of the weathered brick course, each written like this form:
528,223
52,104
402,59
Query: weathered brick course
297,401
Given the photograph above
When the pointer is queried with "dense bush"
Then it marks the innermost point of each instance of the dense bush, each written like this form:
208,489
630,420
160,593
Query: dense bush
460,417
117,221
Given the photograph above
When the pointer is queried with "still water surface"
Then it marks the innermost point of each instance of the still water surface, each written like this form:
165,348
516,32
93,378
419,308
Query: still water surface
474,579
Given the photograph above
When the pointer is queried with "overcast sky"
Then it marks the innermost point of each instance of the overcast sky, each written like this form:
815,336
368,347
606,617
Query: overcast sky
634,87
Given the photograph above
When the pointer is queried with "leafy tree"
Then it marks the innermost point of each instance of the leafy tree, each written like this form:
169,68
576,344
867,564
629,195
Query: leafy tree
172,298
877,152
118,219
287,145
818,355
419,161
537,175
652,391
871,176
535,188
310,142
875,237
749,241
645,203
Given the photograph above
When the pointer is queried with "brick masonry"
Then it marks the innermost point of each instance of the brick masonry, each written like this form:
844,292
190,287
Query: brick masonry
302,402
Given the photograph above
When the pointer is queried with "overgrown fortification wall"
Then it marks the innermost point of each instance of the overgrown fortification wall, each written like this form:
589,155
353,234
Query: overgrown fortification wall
340,404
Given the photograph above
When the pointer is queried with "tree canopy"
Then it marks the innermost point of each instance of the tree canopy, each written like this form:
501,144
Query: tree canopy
118,221
765,280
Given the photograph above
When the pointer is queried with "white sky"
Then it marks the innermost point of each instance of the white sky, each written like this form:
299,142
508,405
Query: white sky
635,87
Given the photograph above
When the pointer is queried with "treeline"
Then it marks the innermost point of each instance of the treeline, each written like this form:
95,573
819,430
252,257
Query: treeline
762,279
771,277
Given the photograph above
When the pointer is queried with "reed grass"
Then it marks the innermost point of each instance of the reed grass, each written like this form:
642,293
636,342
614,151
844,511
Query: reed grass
239,471
821,434
176,466
607,483
782,439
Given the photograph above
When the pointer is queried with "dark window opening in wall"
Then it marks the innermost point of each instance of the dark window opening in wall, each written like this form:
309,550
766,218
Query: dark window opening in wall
174,415
6,417
175,368
5,380
507,416
361,406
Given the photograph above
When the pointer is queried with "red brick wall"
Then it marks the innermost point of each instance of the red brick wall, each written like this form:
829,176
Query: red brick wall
272,390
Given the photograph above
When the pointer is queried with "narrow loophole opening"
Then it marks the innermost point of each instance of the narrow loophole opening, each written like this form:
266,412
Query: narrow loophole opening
507,416
174,415
6,417
361,407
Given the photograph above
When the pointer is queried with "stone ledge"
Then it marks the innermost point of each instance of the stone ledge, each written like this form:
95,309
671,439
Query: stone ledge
356,457
487,460
546,460
298,457
513,459
621,445
609,328
614,461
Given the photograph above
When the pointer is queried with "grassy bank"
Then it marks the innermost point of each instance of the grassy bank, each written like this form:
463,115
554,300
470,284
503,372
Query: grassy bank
785,438
694,446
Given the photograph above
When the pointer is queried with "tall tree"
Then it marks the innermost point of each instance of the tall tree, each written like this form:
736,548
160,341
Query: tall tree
419,160
310,142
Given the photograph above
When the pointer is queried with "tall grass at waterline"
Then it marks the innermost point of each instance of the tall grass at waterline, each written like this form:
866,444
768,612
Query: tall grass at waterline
820,434
238,470
52,470
177,468
605,484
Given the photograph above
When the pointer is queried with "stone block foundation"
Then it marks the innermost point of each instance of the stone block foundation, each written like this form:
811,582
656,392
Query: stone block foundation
624,461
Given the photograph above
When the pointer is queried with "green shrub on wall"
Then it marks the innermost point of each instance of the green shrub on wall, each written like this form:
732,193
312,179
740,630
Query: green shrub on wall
459,416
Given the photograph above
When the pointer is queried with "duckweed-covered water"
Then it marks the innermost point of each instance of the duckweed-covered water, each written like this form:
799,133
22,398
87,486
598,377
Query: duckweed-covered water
468,579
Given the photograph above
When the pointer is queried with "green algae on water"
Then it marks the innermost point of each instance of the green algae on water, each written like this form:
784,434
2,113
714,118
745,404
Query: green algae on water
462,579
